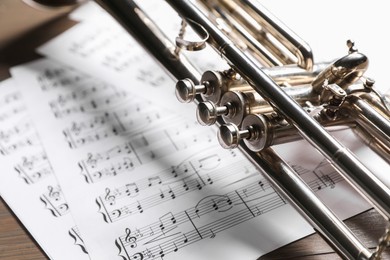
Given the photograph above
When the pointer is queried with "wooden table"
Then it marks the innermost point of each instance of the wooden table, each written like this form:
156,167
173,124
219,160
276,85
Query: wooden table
16,243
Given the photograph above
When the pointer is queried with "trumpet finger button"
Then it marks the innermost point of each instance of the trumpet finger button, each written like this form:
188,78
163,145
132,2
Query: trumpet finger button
229,135
186,90
207,112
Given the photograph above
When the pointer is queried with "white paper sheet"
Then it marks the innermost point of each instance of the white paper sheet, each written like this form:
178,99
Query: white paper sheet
88,10
102,49
28,184
194,200
105,50
324,25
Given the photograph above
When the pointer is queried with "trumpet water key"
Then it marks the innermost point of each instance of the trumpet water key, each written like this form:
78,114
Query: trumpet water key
273,93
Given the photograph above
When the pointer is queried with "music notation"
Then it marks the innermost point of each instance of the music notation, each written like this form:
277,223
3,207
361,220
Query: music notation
321,177
112,54
141,149
87,100
24,161
54,78
191,175
33,168
98,110
17,137
11,105
54,201
16,131
213,214
109,124
108,37
78,240
9,98
77,93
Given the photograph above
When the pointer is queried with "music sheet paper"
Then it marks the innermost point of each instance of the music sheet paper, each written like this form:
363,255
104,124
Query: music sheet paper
89,10
144,183
28,184
102,48
105,55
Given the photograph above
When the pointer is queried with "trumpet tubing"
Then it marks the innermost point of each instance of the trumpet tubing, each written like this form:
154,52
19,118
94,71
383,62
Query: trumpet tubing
274,93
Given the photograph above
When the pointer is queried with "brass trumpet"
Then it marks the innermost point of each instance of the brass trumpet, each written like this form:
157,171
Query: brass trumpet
274,93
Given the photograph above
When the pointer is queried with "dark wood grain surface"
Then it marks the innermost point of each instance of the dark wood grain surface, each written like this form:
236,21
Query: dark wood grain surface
16,243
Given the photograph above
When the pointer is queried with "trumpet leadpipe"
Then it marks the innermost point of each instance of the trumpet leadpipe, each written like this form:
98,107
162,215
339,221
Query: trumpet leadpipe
374,122
380,148
380,104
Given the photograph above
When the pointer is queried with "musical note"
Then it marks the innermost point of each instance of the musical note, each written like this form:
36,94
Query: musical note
172,193
330,182
92,97
171,188
53,78
150,77
154,181
323,176
212,233
167,221
161,252
166,242
139,207
176,249
132,189
107,125
209,162
9,98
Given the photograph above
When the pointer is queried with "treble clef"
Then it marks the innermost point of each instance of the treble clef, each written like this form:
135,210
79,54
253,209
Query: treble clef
131,239
92,160
53,193
109,197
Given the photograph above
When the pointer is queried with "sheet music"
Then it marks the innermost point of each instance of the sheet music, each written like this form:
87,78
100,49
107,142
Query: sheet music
143,186
102,48
89,10
327,38
28,184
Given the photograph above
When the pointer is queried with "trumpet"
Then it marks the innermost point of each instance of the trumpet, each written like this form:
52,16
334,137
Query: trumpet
275,93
